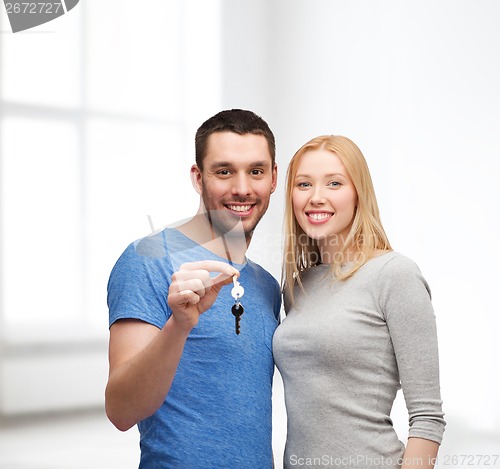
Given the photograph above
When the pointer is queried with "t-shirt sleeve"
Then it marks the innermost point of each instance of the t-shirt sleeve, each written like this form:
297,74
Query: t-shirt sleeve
406,304
138,287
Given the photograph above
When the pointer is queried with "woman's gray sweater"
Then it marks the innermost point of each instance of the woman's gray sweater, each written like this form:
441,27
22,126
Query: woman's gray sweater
343,350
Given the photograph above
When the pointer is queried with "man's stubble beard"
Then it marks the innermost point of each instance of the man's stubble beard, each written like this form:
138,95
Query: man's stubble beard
223,223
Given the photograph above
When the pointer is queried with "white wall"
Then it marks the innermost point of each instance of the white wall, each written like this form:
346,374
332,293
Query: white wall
415,84
97,115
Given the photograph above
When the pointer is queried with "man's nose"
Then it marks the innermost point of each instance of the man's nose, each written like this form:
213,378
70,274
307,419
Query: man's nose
241,185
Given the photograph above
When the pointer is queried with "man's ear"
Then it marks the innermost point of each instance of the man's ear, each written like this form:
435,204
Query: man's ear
196,178
275,178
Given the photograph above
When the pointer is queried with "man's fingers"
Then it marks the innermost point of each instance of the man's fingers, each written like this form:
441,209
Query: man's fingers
183,298
195,276
211,266
184,274
193,281
222,279
189,297
193,284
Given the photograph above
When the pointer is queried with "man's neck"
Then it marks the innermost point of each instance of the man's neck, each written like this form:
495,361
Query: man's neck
231,246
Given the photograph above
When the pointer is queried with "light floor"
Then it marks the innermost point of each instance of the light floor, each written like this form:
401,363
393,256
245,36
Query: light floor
76,441
87,440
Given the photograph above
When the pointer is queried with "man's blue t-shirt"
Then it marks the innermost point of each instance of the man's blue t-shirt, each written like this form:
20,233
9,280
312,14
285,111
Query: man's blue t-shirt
217,413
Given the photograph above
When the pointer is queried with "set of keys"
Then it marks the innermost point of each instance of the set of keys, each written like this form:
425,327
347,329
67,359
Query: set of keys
237,292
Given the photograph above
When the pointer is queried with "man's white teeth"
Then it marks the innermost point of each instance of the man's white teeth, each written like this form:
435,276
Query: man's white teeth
320,216
240,208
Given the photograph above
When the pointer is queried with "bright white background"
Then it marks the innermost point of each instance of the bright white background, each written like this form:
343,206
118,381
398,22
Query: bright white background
97,118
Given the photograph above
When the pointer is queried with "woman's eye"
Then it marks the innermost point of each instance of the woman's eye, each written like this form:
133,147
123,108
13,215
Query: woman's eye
334,184
303,184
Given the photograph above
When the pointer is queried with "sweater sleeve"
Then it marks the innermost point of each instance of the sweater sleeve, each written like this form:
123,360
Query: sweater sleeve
405,301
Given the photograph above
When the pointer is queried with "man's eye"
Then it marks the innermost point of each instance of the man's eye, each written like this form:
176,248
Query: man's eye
223,172
256,172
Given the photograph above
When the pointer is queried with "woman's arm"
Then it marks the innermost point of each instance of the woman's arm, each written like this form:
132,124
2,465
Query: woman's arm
420,454
406,303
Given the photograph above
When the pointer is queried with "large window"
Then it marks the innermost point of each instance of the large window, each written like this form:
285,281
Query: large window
97,114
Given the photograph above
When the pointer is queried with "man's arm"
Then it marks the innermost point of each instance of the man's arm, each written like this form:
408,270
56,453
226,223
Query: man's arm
142,364
143,359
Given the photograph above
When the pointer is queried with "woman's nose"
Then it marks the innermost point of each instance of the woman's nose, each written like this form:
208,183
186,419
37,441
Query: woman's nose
317,197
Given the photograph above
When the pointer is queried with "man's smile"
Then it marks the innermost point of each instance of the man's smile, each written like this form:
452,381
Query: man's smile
240,209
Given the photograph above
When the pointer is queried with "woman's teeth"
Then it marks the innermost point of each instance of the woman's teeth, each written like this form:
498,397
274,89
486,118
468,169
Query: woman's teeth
319,216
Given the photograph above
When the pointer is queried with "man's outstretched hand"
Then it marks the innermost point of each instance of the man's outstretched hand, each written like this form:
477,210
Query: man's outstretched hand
193,290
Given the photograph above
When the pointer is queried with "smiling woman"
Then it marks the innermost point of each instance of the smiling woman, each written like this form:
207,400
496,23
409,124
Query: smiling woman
359,322
332,215
324,200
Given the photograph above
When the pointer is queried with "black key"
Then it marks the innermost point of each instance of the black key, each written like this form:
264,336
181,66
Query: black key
237,311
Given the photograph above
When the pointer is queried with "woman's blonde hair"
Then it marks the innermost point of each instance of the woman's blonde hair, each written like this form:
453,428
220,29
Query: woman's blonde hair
366,234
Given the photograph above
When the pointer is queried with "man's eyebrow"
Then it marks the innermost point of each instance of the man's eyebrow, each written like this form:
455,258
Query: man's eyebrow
221,164
229,164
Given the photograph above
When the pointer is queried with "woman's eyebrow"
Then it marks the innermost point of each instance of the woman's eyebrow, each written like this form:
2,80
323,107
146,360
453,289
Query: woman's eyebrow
326,175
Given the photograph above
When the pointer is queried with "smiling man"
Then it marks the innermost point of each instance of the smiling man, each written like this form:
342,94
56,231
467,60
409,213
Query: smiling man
200,393
235,178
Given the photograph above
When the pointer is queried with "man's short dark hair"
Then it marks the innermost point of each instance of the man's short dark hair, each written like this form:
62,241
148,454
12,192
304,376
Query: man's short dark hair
239,121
